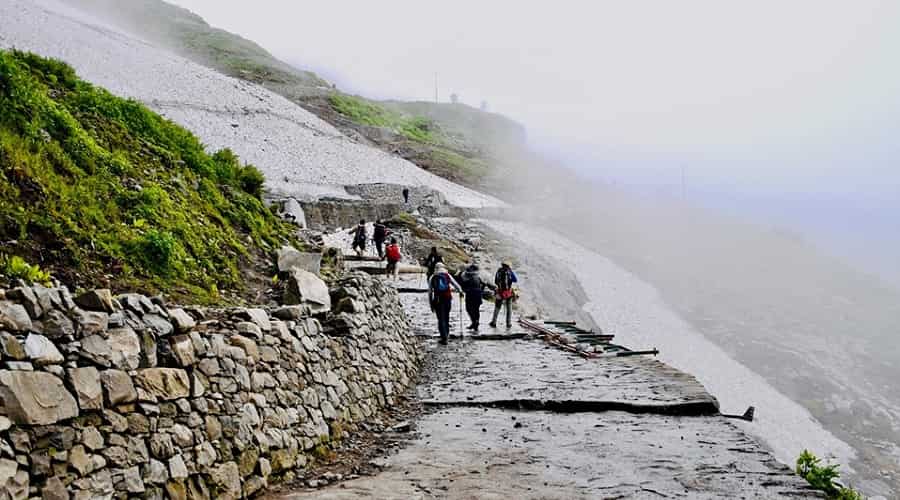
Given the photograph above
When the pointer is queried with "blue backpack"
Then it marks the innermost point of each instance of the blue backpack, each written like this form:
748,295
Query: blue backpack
442,284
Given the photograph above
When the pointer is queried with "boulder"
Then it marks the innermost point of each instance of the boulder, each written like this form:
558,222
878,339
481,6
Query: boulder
292,210
182,320
183,350
118,387
164,383
14,317
86,383
305,288
35,398
289,258
126,348
96,300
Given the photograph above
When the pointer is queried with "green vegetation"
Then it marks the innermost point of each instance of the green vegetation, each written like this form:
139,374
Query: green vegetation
15,267
101,186
824,477
369,113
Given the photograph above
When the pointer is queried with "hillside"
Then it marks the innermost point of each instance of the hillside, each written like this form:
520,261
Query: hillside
455,141
300,155
99,189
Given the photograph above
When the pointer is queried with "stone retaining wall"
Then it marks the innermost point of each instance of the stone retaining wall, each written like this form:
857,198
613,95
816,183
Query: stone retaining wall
121,397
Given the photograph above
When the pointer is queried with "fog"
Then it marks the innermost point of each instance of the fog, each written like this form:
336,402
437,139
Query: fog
742,158
764,102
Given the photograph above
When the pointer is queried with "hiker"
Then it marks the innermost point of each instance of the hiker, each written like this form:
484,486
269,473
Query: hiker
406,195
503,280
393,258
379,234
430,262
440,296
359,238
473,286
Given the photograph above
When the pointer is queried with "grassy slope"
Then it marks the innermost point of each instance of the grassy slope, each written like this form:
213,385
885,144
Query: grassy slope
449,140
100,188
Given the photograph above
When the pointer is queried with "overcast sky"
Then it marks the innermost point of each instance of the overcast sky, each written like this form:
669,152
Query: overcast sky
786,93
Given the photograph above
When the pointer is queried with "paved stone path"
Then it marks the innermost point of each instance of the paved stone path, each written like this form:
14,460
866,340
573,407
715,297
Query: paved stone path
466,447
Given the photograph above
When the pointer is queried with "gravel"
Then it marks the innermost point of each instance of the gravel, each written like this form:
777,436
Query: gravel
295,149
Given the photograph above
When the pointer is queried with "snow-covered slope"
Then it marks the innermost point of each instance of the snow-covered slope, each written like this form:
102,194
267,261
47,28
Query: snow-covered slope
291,146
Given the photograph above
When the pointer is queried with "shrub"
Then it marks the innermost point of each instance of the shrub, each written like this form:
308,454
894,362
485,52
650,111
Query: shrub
15,267
824,477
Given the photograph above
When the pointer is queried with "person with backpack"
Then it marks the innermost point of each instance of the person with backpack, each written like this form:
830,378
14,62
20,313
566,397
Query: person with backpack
430,262
379,235
503,280
393,258
359,238
473,287
440,296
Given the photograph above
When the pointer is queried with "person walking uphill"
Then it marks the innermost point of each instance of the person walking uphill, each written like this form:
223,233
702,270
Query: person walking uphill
393,258
440,295
379,234
473,286
359,238
504,279
430,262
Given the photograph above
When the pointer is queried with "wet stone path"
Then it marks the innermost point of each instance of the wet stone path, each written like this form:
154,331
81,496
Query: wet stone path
520,419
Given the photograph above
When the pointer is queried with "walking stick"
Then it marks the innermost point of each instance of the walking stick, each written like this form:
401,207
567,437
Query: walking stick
460,317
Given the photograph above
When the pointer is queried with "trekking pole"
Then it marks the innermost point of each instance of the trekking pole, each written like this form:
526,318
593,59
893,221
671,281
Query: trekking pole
460,317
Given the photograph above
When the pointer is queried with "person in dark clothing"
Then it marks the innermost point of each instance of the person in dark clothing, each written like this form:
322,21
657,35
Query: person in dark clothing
473,286
503,280
379,235
406,195
440,296
359,238
430,262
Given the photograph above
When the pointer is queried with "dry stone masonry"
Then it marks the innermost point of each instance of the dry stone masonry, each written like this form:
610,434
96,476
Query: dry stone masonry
119,397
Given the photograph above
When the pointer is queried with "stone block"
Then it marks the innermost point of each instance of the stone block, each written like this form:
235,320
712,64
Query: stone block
289,258
164,383
183,321
183,350
118,387
11,347
96,300
125,346
305,288
35,398
14,317
88,390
